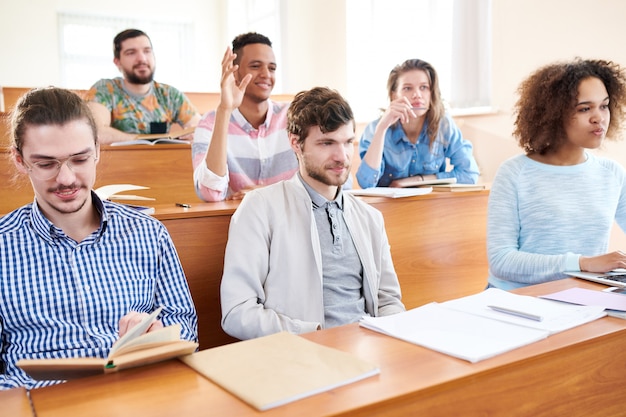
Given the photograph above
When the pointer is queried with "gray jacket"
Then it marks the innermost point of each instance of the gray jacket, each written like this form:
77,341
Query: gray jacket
273,264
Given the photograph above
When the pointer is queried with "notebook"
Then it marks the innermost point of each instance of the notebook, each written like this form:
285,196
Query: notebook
273,370
615,278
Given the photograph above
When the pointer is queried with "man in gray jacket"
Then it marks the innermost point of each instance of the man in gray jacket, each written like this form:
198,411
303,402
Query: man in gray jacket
302,255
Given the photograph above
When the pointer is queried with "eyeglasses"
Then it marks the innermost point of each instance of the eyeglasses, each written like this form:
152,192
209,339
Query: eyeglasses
48,169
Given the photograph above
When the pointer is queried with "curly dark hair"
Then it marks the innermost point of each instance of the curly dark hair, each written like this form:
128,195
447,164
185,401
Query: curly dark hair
247,39
321,107
548,97
436,111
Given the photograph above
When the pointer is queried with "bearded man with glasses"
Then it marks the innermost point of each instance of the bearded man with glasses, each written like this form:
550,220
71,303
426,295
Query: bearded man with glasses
76,272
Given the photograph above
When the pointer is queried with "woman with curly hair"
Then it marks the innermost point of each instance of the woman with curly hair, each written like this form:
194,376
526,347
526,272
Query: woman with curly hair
551,209
414,135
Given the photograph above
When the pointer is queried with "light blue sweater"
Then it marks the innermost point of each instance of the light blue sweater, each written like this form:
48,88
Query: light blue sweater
542,218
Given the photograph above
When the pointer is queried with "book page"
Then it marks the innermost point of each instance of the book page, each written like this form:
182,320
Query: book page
107,192
156,337
135,331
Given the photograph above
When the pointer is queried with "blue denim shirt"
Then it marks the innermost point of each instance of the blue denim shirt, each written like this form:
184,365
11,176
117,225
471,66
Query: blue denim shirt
402,159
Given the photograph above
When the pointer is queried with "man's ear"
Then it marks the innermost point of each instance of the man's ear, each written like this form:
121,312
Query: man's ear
18,160
293,140
116,62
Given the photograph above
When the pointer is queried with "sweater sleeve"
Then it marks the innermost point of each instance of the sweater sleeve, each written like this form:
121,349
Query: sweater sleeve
507,261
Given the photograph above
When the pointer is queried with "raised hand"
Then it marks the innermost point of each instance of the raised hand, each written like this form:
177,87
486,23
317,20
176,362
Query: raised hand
232,91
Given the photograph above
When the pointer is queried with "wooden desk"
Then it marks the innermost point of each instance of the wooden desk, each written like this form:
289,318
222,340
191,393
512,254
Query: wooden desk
438,245
15,403
576,372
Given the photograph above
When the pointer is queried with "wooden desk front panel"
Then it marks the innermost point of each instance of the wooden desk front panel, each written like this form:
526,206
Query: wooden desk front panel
438,243
200,243
166,169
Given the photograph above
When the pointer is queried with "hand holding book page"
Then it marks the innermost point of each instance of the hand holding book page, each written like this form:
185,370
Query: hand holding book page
135,348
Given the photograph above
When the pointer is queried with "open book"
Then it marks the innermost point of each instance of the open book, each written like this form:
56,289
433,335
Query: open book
152,139
274,370
135,348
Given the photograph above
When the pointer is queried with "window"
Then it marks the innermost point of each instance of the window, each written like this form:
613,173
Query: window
262,16
452,35
86,48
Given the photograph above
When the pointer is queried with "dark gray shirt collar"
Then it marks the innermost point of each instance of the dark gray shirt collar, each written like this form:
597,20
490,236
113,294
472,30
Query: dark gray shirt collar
318,199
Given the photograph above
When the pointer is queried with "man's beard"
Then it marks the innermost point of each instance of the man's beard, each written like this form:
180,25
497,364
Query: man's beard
59,208
132,78
320,174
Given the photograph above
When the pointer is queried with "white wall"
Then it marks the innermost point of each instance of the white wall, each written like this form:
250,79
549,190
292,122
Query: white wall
29,47
29,33
528,34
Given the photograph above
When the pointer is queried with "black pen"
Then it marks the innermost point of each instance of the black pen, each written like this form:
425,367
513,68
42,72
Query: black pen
183,205
517,313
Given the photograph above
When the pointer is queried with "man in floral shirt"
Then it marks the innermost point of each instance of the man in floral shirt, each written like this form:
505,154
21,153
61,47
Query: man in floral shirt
136,104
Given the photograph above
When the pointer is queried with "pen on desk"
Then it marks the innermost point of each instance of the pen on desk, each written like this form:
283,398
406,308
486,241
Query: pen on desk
517,313
183,205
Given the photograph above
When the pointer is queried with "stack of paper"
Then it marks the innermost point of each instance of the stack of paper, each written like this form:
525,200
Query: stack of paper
468,328
273,370
465,336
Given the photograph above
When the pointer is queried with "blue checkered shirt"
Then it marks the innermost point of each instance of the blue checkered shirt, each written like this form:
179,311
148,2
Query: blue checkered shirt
60,298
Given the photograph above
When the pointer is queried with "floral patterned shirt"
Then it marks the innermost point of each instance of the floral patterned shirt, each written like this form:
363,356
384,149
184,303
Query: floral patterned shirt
133,114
